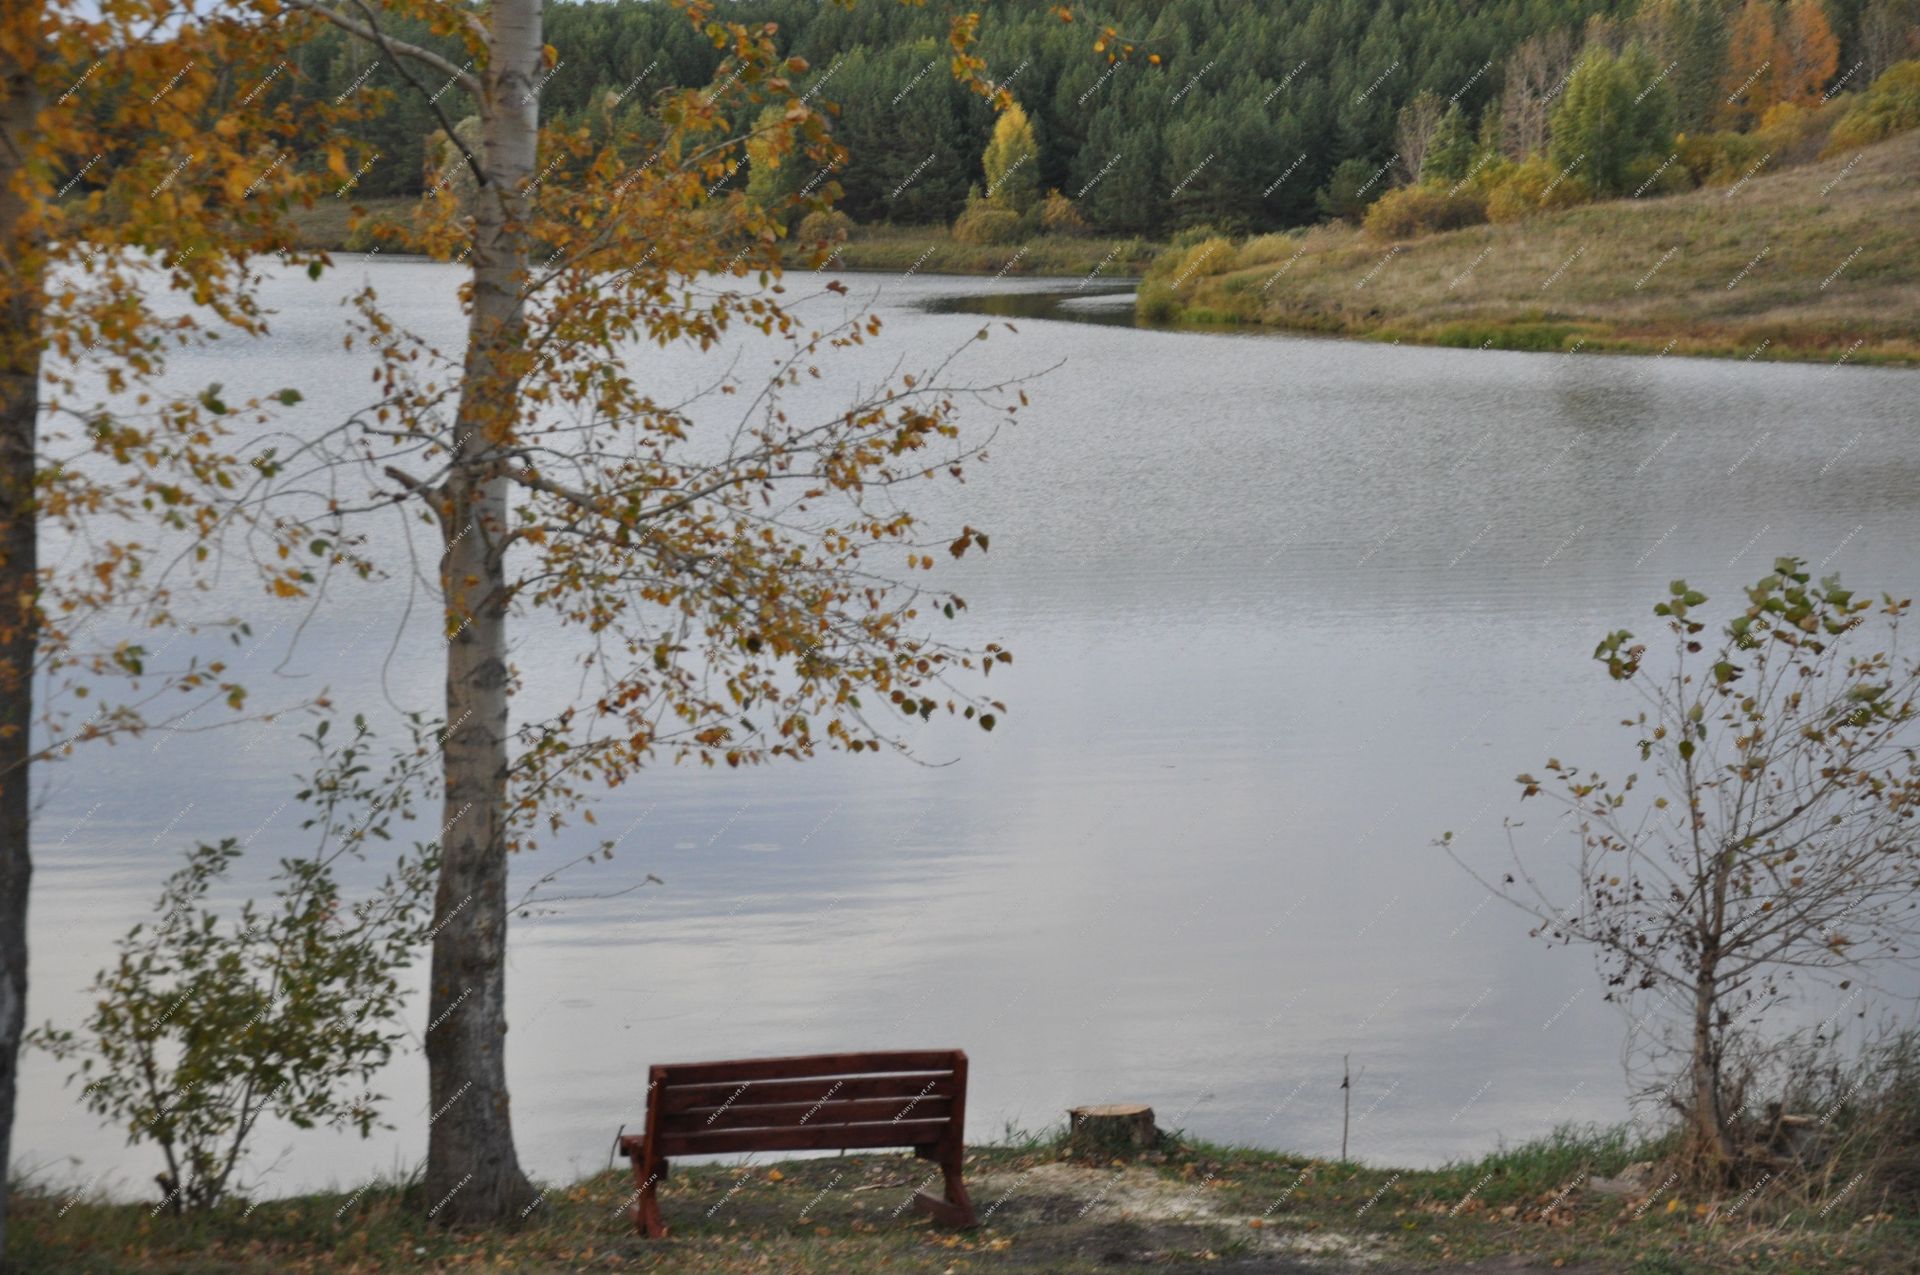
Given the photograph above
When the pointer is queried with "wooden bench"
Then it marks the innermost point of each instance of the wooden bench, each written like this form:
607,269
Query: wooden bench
822,1102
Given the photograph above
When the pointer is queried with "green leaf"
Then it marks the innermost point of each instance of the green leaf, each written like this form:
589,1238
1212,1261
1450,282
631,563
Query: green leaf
288,397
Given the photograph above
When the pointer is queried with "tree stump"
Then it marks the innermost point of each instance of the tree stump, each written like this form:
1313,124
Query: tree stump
1111,1131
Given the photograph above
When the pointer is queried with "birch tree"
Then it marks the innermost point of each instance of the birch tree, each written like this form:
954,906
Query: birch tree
720,583
141,153
1770,854
1536,72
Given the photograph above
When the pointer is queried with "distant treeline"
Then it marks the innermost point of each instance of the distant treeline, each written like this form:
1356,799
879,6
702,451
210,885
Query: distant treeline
1228,113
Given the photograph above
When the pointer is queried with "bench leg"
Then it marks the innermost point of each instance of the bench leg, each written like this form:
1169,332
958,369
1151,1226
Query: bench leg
646,1205
956,1209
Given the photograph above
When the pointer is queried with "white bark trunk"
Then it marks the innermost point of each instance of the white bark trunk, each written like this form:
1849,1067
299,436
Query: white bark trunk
473,1173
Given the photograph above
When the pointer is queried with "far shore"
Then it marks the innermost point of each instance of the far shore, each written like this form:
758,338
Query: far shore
1810,264
894,249
1479,288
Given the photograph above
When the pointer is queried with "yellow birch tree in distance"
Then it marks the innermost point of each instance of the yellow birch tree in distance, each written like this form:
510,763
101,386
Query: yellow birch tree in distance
142,153
1010,161
720,584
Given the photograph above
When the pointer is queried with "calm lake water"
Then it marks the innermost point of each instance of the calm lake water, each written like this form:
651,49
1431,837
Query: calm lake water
1283,610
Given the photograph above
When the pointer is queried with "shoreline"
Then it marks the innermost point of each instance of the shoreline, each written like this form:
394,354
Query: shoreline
1832,281
1519,334
1522,338
924,249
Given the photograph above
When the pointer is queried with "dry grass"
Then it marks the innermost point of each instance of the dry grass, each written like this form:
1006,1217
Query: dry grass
1197,1208
1815,262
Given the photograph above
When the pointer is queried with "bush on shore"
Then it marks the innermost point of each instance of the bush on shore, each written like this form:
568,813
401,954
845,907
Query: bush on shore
1535,186
823,227
1060,216
1425,209
1890,105
982,223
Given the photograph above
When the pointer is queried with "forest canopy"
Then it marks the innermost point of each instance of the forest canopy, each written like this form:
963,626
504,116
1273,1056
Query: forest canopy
1240,115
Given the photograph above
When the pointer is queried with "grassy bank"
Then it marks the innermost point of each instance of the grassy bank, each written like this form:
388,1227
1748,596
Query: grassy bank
924,249
1201,1207
1812,263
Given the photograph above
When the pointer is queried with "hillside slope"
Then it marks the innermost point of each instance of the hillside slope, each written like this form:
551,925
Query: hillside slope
1816,262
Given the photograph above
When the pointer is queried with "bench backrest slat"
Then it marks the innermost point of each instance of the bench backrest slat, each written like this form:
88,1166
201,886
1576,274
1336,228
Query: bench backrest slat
904,1133
821,1089
808,1115
806,1066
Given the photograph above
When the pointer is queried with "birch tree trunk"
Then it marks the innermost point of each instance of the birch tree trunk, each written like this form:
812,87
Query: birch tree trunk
1711,1138
20,303
473,1173
1705,1116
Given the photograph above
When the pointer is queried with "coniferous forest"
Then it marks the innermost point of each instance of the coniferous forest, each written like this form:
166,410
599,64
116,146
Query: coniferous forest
1243,115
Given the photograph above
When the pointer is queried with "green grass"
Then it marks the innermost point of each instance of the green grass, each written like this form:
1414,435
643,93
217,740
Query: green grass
1042,1212
1839,279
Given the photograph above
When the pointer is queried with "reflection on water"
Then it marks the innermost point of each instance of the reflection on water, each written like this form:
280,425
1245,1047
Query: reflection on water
1104,303
1283,610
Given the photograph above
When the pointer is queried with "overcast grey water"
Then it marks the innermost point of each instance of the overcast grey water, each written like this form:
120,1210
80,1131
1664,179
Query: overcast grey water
1283,610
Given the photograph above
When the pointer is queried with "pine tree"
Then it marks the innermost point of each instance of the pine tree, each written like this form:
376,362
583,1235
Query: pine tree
1700,44
1450,153
1490,141
1654,112
1117,179
1347,192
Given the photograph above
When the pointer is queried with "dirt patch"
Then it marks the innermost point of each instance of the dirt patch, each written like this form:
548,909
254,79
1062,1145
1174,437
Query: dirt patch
1270,1266
1130,1214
